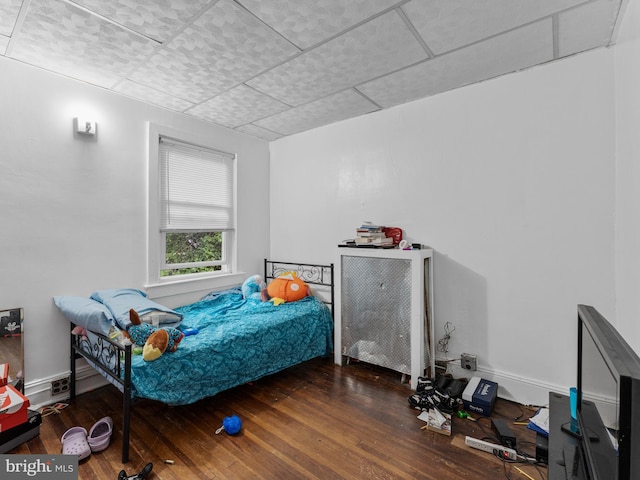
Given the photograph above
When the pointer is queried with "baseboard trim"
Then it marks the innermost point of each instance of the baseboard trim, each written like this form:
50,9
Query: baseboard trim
521,390
510,387
525,391
39,391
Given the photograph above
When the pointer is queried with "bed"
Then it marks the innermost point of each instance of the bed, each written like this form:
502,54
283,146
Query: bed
240,340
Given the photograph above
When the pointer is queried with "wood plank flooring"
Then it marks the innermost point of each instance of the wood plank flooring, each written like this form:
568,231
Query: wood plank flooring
316,420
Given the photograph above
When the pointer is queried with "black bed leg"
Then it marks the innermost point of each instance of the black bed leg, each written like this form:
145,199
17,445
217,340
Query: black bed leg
126,404
72,354
125,428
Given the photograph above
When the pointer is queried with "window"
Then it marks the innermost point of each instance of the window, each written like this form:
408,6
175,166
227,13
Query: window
191,209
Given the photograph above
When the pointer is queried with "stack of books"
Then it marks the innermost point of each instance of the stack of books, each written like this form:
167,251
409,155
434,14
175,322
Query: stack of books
370,234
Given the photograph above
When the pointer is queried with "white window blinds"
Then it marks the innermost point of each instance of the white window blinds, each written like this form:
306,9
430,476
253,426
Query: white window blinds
196,188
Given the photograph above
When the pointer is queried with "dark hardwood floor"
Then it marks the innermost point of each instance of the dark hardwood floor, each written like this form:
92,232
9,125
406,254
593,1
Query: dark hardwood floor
316,420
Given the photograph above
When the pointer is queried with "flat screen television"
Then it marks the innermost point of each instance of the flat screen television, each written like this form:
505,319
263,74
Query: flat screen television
608,399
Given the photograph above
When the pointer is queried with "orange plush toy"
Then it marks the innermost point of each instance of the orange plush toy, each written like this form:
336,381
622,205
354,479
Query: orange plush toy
286,288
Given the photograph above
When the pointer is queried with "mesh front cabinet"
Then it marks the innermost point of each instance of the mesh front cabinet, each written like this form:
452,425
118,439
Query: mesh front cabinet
376,311
385,308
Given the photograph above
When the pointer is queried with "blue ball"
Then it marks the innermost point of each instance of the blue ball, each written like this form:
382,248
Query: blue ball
232,424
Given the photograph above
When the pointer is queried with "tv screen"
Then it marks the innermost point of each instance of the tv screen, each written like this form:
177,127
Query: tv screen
609,379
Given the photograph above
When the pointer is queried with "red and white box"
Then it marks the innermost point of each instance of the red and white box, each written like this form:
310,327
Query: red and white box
4,374
13,408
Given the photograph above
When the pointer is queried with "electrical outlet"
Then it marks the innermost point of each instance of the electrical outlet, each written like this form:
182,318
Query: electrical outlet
60,385
469,362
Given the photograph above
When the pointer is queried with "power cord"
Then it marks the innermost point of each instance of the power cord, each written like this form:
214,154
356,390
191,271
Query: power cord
443,343
523,459
526,461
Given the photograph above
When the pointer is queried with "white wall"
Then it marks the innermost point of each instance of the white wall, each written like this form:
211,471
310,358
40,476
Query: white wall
73,210
511,181
627,52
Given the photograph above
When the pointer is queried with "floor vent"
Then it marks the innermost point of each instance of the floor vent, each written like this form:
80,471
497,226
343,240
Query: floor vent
60,385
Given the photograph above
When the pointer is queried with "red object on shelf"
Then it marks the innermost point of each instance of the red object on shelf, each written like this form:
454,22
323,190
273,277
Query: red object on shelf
393,232
13,408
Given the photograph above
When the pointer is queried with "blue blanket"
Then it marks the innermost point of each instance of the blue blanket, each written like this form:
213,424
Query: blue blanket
239,340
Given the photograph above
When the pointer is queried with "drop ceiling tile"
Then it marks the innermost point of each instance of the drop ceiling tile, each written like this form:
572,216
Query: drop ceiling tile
380,46
313,21
223,47
574,38
333,108
158,19
260,132
213,49
147,94
61,37
505,53
9,10
4,43
237,106
449,24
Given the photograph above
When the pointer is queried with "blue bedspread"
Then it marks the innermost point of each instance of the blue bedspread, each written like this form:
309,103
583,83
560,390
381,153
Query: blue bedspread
239,340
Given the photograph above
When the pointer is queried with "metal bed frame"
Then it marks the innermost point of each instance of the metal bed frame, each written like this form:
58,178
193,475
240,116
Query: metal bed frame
113,360
319,276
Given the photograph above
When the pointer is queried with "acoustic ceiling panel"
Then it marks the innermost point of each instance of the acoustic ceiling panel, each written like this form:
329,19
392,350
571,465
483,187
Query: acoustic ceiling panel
238,106
448,25
4,43
260,132
320,112
61,37
158,19
314,21
505,53
221,49
150,95
380,46
9,10
279,63
574,38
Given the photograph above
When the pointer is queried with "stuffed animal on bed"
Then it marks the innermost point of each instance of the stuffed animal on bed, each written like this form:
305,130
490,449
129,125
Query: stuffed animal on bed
252,287
285,288
156,340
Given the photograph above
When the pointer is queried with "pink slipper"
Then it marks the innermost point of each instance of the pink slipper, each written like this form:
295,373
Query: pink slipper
74,442
100,434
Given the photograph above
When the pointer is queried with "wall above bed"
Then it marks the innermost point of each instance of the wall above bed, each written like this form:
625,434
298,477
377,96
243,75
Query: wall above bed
74,211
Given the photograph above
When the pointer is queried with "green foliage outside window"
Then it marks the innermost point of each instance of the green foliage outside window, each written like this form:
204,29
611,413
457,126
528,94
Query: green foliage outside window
192,247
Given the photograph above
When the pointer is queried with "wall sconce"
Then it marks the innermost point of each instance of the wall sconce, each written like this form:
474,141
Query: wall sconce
85,126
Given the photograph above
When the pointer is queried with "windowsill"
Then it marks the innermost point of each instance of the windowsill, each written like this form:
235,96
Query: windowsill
178,287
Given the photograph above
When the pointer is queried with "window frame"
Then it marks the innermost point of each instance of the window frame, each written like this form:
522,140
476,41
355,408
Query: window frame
155,237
